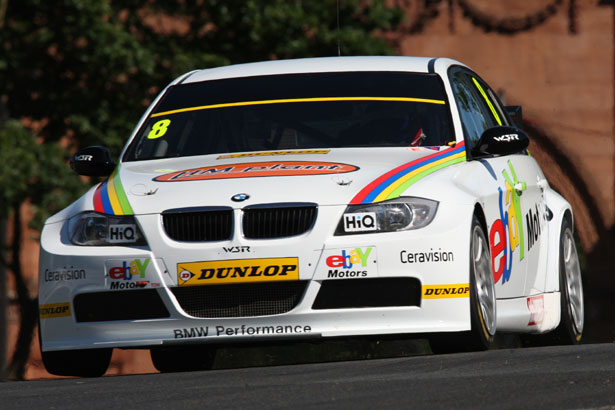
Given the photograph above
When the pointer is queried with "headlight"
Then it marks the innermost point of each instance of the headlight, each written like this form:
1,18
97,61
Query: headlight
400,214
95,229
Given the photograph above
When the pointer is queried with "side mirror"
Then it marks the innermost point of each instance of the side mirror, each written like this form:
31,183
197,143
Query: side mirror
516,115
502,141
93,162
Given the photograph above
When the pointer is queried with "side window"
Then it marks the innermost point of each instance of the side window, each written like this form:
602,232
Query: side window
495,107
476,110
497,104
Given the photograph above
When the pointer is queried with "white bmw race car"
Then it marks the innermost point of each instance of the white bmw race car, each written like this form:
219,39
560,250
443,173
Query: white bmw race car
306,199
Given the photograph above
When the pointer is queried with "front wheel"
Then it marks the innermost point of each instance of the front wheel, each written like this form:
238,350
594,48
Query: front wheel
80,363
183,359
482,301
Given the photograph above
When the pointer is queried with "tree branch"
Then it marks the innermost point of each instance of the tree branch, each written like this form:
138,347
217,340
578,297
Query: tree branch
27,305
3,6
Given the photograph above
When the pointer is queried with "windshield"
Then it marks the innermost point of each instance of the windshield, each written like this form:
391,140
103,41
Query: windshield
296,111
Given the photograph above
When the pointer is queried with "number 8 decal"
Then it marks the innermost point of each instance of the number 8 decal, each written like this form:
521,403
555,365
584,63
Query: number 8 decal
158,129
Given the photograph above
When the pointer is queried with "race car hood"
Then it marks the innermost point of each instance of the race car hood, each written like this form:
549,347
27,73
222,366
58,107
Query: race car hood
325,177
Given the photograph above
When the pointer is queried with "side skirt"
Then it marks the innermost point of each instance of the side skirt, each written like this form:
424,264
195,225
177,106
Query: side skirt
531,314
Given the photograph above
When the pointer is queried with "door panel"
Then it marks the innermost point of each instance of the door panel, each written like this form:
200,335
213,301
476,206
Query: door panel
517,226
515,210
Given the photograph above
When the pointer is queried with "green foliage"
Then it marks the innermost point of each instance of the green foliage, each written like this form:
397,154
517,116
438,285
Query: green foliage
257,30
17,165
73,64
34,171
88,68
55,186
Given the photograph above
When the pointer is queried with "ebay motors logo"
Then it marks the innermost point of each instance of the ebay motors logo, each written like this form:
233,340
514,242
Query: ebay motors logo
348,263
506,233
349,259
130,269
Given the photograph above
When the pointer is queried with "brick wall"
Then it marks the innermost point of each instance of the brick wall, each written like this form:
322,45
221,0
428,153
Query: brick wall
561,71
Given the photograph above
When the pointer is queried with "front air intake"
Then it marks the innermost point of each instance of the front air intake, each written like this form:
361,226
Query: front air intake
368,293
240,300
138,304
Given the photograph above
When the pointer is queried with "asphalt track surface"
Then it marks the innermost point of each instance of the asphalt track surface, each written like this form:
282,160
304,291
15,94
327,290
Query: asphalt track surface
567,377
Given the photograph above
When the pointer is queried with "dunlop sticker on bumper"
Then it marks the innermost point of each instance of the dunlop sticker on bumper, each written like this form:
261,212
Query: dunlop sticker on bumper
237,271
54,310
459,290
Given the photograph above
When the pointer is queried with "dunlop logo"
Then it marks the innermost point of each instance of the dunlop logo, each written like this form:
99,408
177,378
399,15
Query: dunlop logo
54,310
237,271
460,290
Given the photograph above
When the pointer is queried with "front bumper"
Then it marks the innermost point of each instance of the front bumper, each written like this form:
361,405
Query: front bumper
75,281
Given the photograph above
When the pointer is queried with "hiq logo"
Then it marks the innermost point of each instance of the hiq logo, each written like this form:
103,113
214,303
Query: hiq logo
126,233
348,259
128,270
360,222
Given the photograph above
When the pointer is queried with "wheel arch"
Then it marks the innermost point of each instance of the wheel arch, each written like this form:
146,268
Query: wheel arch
480,214
560,209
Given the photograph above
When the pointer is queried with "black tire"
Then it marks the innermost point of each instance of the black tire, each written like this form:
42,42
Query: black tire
80,363
570,328
482,301
183,359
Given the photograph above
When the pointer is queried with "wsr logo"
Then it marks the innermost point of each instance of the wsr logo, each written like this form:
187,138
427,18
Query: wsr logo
349,258
507,137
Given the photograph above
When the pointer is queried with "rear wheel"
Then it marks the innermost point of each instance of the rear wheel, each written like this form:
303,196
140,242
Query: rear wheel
81,363
571,289
482,301
183,359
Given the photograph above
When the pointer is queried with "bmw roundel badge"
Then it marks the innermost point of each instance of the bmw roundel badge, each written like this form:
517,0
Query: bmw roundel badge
239,197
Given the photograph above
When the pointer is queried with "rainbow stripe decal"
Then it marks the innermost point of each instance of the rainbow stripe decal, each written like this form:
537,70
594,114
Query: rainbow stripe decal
395,182
110,197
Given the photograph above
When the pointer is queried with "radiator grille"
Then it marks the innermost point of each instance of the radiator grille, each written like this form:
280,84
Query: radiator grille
258,222
198,225
278,222
240,300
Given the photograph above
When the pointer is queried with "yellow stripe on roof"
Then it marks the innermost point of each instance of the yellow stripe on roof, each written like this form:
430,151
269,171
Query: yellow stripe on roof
296,100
